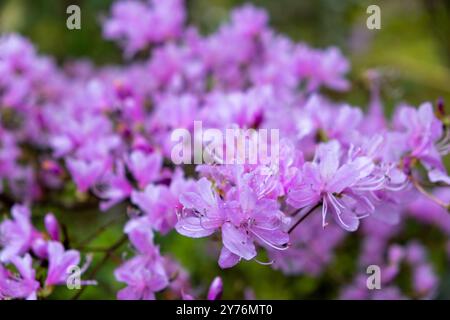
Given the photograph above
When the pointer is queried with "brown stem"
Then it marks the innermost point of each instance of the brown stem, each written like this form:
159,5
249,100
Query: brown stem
429,195
100,230
304,216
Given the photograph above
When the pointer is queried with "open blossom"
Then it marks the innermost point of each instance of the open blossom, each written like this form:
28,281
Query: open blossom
339,187
140,23
242,221
113,187
16,236
19,236
144,167
161,203
204,211
85,173
145,273
52,226
21,286
60,261
422,134
422,128
19,240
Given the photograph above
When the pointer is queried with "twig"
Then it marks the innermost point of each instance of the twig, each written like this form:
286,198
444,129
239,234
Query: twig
99,265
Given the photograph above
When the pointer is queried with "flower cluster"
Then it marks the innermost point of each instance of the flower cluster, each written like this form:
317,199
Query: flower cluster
342,172
20,241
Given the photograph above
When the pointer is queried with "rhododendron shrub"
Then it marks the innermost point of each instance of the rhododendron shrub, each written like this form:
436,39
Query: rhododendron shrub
81,136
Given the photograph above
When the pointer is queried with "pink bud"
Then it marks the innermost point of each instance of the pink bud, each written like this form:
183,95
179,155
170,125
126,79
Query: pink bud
396,254
52,226
216,289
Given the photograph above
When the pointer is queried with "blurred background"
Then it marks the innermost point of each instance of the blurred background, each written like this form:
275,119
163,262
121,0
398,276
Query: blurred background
411,50
412,47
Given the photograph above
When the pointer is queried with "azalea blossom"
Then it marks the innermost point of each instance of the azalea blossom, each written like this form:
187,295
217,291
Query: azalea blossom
242,221
24,286
341,188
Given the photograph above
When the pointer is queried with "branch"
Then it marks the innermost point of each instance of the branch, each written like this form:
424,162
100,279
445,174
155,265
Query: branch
105,259
100,230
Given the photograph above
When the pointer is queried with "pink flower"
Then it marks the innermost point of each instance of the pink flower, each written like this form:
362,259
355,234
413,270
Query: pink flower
145,273
144,167
242,221
203,211
113,187
421,138
251,219
160,203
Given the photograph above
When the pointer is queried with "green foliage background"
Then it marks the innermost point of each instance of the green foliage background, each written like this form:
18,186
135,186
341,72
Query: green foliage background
412,50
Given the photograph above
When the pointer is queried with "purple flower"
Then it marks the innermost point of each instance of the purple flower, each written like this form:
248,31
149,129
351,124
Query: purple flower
144,276
21,286
59,262
251,219
52,226
340,187
85,173
322,68
427,211
421,138
144,167
203,211
113,187
311,249
16,236
161,203
137,24
145,273
242,221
